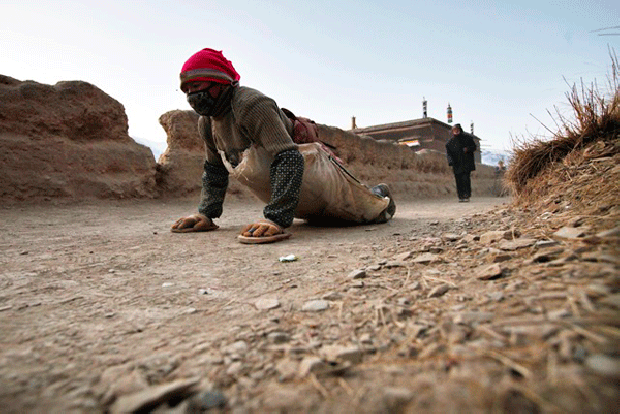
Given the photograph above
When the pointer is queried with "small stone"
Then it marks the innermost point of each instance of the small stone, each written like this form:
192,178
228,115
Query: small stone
332,296
167,284
207,400
496,296
397,398
516,244
439,291
613,301
403,302
466,318
374,268
278,337
315,306
569,233
434,223
615,232
499,258
402,256
414,286
597,290
426,258
491,236
311,364
357,274
239,347
393,263
546,256
490,272
267,303
541,244
235,368
604,365
470,238
600,258
24,253
450,237
351,353
287,368
152,397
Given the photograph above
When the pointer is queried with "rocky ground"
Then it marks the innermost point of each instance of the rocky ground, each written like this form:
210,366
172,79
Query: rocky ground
451,306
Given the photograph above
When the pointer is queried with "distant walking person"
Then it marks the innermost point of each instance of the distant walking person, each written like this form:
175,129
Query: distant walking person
460,150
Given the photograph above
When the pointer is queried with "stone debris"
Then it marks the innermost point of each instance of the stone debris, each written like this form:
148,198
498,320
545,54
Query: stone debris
153,397
490,272
426,258
267,304
403,256
615,232
206,400
351,353
315,306
570,233
516,244
357,274
467,318
604,365
439,291
491,237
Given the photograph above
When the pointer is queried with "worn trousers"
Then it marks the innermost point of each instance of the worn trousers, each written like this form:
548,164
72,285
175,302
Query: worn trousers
329,193
463,184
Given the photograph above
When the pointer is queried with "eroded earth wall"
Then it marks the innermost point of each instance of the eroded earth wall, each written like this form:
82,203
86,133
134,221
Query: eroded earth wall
68,140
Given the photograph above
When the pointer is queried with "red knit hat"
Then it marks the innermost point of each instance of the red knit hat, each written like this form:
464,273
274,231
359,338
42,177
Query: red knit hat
208,65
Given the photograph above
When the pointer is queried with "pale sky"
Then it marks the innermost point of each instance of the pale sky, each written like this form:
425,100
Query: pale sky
496,62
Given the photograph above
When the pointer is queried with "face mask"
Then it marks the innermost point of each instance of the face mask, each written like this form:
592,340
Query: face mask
205,104
202,102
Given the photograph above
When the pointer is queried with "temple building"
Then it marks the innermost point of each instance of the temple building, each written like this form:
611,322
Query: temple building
418,134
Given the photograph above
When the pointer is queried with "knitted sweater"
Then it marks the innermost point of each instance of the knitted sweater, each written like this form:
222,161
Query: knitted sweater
253,119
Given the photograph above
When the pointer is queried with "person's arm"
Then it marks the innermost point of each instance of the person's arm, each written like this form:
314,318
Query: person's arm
449,154
214,177
285,174
470,145
264,124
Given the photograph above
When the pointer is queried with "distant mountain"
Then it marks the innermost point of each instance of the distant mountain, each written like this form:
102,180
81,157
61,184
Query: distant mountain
157,147
492,157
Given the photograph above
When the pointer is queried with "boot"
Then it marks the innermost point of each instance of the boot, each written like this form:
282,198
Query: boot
382,190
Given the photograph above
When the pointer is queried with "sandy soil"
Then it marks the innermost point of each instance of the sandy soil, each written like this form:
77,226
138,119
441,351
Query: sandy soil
91,286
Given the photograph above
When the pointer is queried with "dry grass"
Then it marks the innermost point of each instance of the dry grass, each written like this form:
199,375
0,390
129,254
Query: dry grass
596,118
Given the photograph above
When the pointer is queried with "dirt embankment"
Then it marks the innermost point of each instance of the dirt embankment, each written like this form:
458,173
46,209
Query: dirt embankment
70,142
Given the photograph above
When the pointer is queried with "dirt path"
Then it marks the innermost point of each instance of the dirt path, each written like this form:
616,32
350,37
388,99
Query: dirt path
88,287
100,304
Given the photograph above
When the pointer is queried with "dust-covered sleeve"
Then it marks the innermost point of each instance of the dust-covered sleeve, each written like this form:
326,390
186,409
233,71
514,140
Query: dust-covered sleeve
265,124
214,176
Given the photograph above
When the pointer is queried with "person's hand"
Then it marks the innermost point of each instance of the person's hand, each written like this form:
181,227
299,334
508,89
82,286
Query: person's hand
464,149
262,228
193,223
